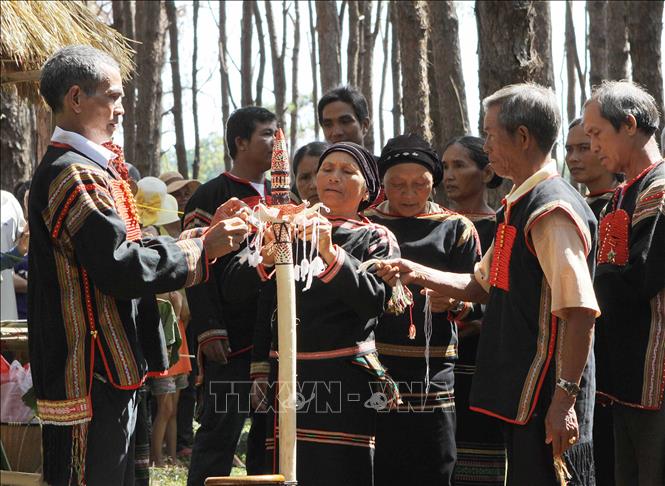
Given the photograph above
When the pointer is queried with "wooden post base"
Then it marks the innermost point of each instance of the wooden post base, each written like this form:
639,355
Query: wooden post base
266,480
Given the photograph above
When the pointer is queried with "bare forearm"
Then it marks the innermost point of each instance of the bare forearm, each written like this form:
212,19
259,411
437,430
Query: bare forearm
576,343
460,286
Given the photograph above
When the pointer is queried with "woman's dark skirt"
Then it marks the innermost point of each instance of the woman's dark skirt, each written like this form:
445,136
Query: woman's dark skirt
336,420
415,444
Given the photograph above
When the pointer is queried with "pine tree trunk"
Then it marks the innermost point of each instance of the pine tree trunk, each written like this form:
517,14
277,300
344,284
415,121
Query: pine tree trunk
434,111
123,22
246,53
224,75
16,139
508,53
412,30
262,53
180,151
150,60
353,46
327,26
294,78
570,63
645,24
542,42
196,163
617,40
315,77
367,78
597,40
279,76
384,73
362,29
448,78
395,62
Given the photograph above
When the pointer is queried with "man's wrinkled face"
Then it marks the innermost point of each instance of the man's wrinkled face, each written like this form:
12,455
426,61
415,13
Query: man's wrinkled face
500,146
100,112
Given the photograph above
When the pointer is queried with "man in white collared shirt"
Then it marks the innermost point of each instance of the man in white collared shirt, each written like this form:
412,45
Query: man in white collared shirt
94,329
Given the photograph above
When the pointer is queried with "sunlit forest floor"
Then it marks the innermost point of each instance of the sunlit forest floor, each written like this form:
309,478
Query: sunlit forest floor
176,474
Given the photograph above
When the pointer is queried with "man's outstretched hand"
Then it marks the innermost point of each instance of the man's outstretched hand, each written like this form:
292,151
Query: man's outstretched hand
390,270
234,207
224,237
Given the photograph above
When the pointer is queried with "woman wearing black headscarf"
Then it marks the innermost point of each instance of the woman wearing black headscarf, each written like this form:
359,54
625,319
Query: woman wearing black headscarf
416,443
336,359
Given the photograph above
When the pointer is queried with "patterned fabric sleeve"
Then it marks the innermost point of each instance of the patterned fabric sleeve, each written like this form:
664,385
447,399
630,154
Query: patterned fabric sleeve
364,292
81,213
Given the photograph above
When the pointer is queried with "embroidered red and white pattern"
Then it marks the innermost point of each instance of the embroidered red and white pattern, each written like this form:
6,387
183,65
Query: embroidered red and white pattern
362,348
65,412
614,232
119,162
503,248
328,437
126,208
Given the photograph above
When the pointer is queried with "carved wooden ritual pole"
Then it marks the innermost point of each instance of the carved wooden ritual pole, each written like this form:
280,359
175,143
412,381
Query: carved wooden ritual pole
286,314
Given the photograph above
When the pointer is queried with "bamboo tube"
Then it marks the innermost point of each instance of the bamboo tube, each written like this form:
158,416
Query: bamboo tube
286,391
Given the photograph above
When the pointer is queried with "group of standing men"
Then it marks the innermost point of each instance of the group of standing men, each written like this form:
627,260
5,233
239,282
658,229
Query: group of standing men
94,329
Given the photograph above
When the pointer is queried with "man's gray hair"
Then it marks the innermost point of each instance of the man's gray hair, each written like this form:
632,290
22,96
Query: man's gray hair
529,105
69,66
618,99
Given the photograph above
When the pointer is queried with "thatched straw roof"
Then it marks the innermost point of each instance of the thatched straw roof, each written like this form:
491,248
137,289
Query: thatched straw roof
33,30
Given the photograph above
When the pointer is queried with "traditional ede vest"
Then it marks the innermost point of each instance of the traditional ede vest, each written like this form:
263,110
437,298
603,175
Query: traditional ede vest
630,286
518,342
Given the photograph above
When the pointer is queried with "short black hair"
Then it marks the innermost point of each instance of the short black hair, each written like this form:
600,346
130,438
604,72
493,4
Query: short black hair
314,149
346,94
618,99
577,121
71,66
474,146
242,123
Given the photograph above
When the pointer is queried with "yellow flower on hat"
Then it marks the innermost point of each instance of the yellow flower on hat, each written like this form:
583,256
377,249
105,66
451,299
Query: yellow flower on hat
149,197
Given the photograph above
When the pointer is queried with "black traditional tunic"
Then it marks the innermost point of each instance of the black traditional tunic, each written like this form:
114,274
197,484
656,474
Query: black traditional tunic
337,368
517,356
598,200
222,308
630,285
481,459
213,314
422,430
91,304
